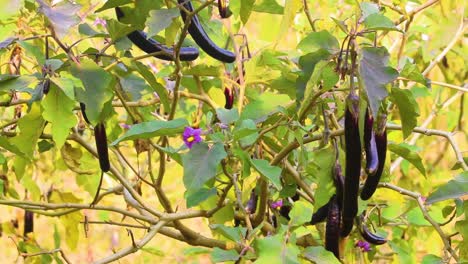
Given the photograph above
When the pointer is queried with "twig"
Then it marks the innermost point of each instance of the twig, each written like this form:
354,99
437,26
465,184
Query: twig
134,248
419,199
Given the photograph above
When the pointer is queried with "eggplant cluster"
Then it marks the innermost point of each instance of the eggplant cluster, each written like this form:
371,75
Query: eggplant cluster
195,29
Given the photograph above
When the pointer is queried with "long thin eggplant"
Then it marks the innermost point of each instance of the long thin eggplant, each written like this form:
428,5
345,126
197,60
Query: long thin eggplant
332,228
201,37
367,234
338,181
381,143
101,146
150,45
372,160
353,164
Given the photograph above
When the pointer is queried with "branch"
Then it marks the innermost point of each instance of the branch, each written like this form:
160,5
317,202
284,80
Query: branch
419,199
134,248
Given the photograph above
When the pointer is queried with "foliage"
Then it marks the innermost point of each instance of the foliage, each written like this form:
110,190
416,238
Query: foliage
296,63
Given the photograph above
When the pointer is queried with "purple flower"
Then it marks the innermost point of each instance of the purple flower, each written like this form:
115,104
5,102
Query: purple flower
365,246
125,126
100,21
277,204
191,136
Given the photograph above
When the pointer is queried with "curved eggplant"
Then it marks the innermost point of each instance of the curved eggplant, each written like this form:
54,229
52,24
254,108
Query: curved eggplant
101,146
353,164
150,45
368,235
372,160
83,112
321,214
332,228
201,37
381,143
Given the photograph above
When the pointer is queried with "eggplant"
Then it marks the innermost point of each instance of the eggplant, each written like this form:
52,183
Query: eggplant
149,45
223,8
321,214
381,143
83,112
229,95
368,235
101,146
284,211
332,228
251,206
353,164
201,37
372,160
28,223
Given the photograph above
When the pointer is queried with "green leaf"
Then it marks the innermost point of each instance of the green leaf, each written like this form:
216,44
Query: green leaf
268,6
160,20
152,129
320,255
368,8
375,75
203,70
30,127
97,88
408,108
301,213
319,40
113,3
56,237
70,222
232,233
263,106
227,116
432,259
151,80
411,72
153,251
246,9
66,83
454,188
200,164
58,110
404,150
320,169
221,255
23,83
198,196
118,30
6,144
379,22
272,173
274,249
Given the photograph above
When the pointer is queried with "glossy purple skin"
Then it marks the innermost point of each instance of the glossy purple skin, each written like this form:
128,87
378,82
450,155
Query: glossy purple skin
353,165
201,37
150,45
28,223
229,95
371,183
101,146
372,160
332,228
